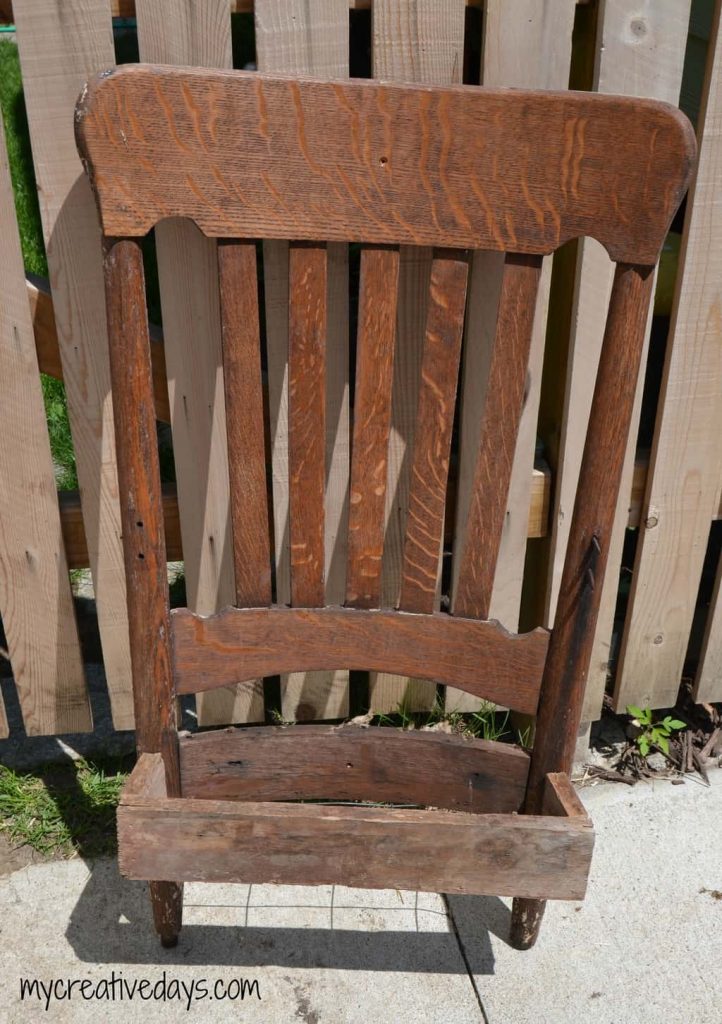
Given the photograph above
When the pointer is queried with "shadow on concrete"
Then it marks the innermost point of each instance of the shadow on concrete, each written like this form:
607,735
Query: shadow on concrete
111,923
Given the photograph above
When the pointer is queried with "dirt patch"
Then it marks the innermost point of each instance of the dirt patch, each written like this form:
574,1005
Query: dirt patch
14,858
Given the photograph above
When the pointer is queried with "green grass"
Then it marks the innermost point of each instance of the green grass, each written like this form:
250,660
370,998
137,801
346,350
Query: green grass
22,174
488,723
64,809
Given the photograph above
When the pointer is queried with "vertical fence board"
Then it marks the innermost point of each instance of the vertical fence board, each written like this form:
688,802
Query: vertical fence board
647,51
684,473
187,33
61,46
525,45
36,603
412,41
310,37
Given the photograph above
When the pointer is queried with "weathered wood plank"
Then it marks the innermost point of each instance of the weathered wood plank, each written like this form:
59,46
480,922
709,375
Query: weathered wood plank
36,603
239,643
525,45
244,422
412,41
317,762
60,48
187,33
496,441
436,404
303,38
216,840
378,295
493,147
684,479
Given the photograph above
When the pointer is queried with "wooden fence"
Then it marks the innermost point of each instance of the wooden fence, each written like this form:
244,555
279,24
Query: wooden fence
669,496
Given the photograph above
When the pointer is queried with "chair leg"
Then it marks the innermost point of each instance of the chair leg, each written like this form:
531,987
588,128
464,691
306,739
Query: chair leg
167,901
526,919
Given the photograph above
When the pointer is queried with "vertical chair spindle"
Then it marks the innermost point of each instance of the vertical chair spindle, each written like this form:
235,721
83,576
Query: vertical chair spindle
479,547
432,436
307,421
378,297
244,422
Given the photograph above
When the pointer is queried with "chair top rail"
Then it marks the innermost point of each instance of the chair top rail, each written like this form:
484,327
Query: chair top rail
248,155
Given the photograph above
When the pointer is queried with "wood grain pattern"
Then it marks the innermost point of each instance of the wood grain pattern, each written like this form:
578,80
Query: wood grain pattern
60,48
36,603
412,41
244,422
466,193
239,643
139,479
497,436
307,422
305,37
186,33
525,45
321,762
432,435
684,480
371,847
45,330
378,295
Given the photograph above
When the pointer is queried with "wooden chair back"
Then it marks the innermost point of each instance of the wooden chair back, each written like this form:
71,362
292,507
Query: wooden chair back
248,157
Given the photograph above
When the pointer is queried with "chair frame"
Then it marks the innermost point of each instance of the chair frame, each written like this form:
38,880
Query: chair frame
455,168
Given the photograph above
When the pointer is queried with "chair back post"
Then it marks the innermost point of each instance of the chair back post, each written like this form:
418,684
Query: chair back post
570,647
146,570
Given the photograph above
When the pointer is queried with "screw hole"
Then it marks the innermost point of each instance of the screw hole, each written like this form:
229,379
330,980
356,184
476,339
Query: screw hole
139,523
141,555
383,161
349,765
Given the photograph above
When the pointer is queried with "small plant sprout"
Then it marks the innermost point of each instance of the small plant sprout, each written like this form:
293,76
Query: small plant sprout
651,733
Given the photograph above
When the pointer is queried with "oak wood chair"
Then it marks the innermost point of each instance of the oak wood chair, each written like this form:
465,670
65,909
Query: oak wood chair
248,157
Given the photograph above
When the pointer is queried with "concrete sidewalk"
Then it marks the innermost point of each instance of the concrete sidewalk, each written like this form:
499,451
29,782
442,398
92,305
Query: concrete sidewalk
644,948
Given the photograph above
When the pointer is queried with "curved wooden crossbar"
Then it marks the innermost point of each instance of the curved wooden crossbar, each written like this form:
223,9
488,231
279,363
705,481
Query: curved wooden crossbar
249,156
322,762
480,657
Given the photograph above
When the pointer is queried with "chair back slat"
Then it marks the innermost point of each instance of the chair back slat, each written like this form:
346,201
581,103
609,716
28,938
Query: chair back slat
497,435
432,436
307,421
378,296
244,422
